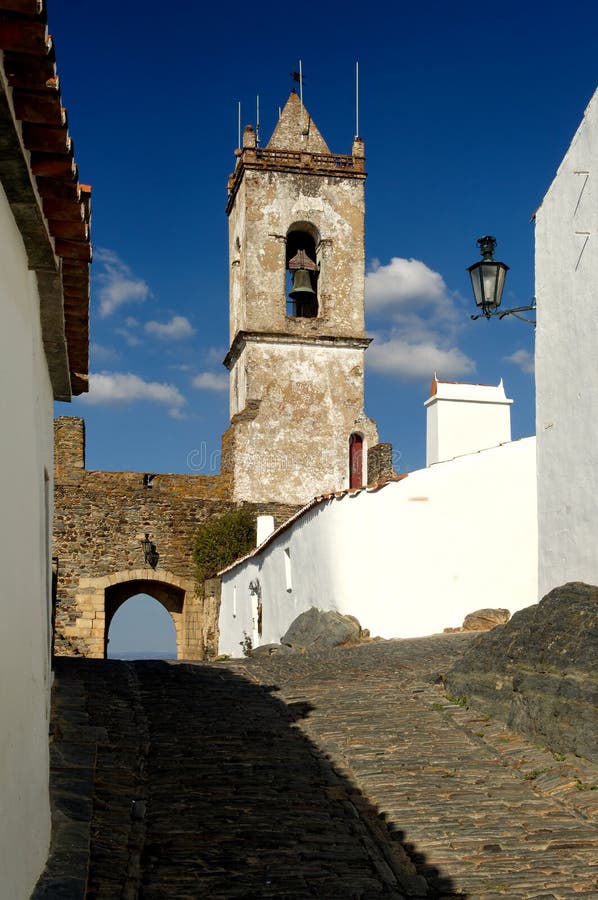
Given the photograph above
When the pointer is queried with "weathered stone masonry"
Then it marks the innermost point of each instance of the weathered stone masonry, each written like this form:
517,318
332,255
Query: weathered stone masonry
100,519
296,369
298,426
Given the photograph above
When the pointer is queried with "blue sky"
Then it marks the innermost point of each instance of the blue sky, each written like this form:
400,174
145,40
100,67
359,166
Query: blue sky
466,111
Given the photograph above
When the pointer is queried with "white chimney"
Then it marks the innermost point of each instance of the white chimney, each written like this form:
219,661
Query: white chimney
265,527
464,418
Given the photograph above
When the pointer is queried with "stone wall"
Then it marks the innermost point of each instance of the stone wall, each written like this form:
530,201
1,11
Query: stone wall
380,465
100,519
293,441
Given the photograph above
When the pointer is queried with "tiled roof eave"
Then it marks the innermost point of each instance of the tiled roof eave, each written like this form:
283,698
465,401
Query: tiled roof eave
25,205
51,208
317,501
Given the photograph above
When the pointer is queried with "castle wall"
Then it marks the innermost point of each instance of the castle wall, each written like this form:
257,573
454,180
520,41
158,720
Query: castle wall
100,519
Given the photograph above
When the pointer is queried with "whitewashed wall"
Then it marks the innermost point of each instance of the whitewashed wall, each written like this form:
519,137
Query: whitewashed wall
410,559
26,453
567,364
463,418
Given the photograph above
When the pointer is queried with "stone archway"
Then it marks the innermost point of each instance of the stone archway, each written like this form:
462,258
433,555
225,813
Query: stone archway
171,597
97,600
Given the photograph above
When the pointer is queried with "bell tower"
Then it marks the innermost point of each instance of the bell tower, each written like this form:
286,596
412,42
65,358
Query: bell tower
297,339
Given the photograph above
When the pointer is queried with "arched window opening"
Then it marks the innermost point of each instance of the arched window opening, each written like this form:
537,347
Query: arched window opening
356,461
141,628
302,275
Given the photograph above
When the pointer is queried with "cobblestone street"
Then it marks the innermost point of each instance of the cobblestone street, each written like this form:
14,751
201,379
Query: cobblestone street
345,774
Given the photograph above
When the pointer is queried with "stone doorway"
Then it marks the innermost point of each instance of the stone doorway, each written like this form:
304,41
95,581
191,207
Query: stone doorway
98,599
164,601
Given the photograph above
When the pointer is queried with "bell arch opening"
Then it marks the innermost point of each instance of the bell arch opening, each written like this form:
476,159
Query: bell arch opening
167,596
302,268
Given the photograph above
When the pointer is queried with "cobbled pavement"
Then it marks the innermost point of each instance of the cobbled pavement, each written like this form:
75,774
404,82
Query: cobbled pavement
342,774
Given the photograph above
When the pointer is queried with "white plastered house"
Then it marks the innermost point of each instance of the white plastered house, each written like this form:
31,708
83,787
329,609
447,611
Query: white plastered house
567,364
44,306
411,555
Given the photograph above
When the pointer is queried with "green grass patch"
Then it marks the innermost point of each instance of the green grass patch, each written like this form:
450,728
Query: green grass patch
456,701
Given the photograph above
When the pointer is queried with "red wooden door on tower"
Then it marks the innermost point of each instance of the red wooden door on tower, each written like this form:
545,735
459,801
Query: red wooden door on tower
356,461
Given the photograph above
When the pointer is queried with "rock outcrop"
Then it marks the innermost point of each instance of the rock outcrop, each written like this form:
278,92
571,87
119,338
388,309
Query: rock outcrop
485,619
538,672
316,629
482,620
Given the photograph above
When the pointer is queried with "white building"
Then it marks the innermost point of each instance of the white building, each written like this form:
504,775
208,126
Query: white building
410,556
465,417
44,262
567,364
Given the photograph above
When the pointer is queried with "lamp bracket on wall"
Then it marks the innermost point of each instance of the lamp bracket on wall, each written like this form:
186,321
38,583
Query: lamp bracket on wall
501,313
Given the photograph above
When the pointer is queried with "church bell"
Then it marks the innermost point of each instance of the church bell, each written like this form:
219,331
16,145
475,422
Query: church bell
302,288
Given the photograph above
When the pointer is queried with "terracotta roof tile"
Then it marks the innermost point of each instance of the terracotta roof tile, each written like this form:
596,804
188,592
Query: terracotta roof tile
30,72
321,498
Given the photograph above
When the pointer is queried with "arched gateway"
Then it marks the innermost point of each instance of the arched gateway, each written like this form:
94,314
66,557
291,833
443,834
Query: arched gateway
98,599
117,534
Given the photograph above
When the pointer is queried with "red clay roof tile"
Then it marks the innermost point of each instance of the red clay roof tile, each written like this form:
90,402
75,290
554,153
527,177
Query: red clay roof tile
30,71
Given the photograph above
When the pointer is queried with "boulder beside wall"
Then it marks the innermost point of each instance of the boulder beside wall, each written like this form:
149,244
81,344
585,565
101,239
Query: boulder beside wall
316,629
485,619
537,673
482,620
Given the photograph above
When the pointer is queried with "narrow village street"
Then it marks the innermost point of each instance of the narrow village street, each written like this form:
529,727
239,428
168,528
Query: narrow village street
346,774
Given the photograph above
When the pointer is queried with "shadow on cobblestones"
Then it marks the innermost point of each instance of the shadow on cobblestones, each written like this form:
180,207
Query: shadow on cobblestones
203,786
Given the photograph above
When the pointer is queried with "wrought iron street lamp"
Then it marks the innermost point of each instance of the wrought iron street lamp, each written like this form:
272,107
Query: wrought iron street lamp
488,280
150,554
487,277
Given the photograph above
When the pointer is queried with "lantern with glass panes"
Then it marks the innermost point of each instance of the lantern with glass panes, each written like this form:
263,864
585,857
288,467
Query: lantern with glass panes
488,281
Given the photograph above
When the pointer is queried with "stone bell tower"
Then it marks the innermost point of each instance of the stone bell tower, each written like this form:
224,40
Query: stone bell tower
296,359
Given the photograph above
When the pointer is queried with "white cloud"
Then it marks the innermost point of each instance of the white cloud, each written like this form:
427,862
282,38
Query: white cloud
423,321
102,353
523,359
178,327
115,387
211,381
401,283
131,339
118,285
127,332
396,356
216,354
